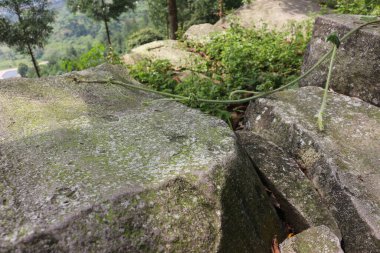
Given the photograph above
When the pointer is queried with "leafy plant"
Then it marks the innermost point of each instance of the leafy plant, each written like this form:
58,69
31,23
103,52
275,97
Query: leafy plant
92,58
22,69
143,36
363,7
157,74
256,59
195,100
113,57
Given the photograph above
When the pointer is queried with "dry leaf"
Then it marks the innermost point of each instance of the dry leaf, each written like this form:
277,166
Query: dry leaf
275,246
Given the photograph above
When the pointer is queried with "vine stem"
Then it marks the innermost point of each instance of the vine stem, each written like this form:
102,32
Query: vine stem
234,101
324,99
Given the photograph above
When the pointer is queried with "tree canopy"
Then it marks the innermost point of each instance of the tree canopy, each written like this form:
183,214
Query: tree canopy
25,25
190,12
101,10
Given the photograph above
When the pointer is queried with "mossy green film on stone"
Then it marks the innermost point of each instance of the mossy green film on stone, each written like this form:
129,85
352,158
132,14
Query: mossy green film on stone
183,207
85,137
346,172
341,113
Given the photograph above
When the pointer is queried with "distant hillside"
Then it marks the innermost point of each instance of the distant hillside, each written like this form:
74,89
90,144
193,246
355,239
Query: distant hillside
74,34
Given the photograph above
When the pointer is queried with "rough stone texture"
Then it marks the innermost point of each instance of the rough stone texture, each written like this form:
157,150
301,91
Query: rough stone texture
342,162
171,50
357,68
201,33
275,14
314,240
296,195
88,167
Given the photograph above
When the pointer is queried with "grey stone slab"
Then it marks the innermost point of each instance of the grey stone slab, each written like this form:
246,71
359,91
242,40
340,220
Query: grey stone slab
297,197
314,240
92,167
356,70
342,162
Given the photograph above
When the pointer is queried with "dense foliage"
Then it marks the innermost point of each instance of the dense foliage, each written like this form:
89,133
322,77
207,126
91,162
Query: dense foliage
142,37
101,10
25,25
365,7
93,57
75,34
190,12
256,60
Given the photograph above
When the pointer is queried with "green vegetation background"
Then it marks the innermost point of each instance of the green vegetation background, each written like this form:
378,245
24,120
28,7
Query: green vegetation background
255,60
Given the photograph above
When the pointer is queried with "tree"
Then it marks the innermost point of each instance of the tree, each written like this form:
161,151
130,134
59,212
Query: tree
22,69
25,25
102,10
190,12
221,9
173,20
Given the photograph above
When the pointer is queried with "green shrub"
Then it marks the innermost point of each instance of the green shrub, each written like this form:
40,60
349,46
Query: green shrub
257,59
160,76
363,7
143,36
238,59
156,74
22,69
95,56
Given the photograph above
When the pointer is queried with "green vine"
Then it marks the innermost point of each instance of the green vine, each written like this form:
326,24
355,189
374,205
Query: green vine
193,99
324,99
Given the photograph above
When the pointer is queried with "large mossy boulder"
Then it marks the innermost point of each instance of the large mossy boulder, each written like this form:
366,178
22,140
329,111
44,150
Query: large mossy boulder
296,196
356,71
342,163
317,239
91,167
273,14
173,51
201,33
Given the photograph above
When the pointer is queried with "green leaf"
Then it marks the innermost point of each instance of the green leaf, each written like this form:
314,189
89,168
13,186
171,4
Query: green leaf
333,38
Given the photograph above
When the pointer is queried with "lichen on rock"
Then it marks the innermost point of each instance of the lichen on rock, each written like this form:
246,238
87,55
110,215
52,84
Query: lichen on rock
90,167
342,162
316,239
357,69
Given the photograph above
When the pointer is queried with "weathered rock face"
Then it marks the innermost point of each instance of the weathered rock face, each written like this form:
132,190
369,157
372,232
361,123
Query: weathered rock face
296,195
342,162
316,239
275,14
170,50
201,33
98,168
357,70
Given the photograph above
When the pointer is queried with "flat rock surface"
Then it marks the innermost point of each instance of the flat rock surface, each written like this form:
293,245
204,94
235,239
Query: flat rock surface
356,70
342,162
274,13
170,50
317,239
201,33
297,197
91,167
